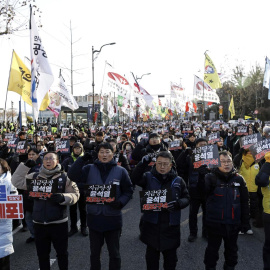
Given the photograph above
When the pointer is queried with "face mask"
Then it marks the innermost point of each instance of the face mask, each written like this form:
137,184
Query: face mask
128,147
166,139
229,134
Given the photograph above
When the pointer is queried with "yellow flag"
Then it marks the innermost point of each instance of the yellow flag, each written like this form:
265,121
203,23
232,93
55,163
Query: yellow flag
210,73
231,108
20,82
247,117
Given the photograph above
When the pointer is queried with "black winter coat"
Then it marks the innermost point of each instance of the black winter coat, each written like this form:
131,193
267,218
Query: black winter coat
163,236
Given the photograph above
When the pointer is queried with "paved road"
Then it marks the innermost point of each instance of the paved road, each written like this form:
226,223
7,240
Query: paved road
190,255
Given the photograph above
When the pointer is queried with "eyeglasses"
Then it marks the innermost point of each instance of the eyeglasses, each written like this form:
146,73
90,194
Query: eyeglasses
161,164
49,158
226,161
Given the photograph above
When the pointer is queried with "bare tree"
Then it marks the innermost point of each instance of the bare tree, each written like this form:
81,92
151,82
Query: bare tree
14,15
11,113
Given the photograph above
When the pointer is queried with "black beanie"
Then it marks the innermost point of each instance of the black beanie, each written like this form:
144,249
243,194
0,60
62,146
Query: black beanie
201,140
152,135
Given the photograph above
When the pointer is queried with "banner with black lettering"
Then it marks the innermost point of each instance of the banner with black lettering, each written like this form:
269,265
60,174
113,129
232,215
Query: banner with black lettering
12,143
206,155
21,147
8,136
246,141
100,194
214,137
259,149
216,128
187,129
62,146
155,200
41,188
175,145
241,130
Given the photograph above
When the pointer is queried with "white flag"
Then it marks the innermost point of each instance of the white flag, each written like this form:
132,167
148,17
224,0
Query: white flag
55,103
208,94
266,79
41,74
66,96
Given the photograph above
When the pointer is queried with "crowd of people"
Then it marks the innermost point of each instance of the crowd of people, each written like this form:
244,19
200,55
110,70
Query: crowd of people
158,157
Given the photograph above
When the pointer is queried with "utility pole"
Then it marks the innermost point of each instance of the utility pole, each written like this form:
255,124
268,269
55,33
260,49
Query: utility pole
12,110
71,68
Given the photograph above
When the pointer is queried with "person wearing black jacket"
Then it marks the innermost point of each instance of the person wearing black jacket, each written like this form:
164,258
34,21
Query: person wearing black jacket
227,211
144,147
195,180
4,150
77,151
160,230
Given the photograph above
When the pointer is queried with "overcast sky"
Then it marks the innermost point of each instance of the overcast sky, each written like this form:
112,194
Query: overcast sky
165,38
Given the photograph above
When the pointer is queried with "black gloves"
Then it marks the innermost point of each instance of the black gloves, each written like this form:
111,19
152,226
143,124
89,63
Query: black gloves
146,160
30,163
173,206
16,158
116,205
86,156
57,197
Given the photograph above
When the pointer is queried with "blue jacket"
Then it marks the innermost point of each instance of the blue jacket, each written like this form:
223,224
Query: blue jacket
154,181
100,174
227,198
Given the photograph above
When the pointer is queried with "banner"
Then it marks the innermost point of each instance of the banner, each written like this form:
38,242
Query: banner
206,155
62,146
21,147
41,74
20,81
11,206
203,91
214,137
42,188
246,141
175,145
241,130
266,77
100,194
258,150
210,73
155,200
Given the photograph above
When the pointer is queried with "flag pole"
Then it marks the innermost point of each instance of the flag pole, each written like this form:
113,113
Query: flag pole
7,89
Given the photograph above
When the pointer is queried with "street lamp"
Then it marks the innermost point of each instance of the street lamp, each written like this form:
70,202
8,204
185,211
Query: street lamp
93,81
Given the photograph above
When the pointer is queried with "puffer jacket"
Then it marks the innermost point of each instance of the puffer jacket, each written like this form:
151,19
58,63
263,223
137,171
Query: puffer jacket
6,238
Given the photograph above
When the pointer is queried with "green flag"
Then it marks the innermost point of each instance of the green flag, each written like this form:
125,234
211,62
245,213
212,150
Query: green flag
120,100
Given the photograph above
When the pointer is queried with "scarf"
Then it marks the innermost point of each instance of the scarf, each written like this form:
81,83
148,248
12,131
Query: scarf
50,173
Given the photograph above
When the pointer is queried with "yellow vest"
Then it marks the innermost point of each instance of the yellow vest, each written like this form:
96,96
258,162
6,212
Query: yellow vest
266,199
249,176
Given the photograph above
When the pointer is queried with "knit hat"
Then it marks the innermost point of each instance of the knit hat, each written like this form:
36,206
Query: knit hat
77,144
152,135
267,157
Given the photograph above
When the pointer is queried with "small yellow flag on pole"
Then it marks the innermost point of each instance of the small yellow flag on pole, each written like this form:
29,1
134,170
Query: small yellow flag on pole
210,73
231,108
20,81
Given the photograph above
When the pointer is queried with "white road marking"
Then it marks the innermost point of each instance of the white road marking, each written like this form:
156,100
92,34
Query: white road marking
187,220
126,210
17,229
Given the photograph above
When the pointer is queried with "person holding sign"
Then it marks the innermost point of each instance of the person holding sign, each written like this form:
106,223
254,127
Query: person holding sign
227,211
195,179
104,216
6,238
52,191
160,228
262,180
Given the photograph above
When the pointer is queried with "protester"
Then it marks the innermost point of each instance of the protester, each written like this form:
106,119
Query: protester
49,215
227,212
160,230
104,221
6,237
